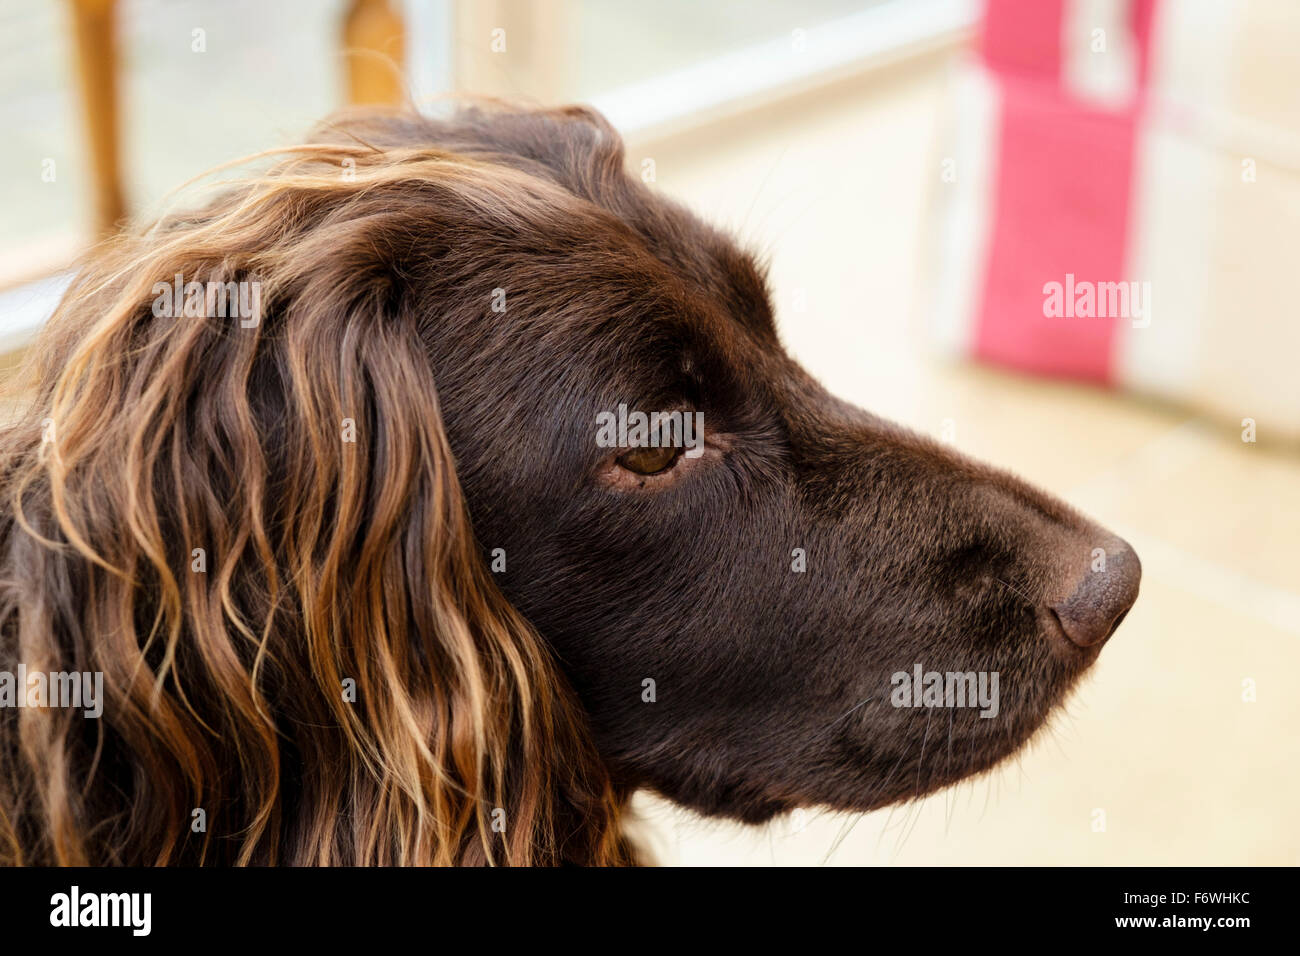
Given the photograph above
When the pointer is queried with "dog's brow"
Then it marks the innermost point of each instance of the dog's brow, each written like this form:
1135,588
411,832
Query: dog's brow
750,304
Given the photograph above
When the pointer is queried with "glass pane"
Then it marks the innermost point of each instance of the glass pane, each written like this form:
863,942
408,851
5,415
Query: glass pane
44,171
200,84
622,43
267,73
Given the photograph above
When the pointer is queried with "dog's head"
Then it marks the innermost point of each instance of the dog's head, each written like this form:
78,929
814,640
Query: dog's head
764,599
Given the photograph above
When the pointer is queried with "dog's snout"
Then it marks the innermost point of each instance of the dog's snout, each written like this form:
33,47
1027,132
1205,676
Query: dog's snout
1101,596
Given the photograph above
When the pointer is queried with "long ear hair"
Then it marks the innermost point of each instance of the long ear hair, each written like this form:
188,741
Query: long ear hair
252,527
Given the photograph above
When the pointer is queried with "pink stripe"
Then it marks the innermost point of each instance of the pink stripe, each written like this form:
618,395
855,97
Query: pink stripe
1023,37
1062,205
1144,15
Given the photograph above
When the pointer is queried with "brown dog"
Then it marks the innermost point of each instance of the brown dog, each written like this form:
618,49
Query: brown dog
364,585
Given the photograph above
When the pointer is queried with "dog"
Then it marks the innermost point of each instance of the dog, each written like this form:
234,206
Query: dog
364,587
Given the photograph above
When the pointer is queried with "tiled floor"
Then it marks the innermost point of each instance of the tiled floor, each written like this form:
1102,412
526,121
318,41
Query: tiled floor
834,190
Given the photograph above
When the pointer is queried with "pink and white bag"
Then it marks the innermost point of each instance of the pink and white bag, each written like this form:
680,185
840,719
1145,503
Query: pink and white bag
1119,201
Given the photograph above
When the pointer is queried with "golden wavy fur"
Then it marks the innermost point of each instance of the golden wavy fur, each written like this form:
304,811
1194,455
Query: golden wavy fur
184,511
146,439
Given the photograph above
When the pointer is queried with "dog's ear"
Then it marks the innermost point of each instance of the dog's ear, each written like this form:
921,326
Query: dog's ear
252,527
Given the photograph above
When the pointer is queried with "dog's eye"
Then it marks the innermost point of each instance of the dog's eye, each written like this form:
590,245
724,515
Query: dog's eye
649,461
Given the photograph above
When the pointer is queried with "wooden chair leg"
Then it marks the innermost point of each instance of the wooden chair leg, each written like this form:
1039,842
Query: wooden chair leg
374,45
95,36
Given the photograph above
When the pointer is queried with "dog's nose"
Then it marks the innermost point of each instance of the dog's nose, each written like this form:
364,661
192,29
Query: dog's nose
1102,596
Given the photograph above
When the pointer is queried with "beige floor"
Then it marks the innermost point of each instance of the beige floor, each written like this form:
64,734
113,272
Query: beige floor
835,189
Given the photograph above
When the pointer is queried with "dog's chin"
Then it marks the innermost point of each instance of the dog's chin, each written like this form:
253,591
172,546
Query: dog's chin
934,753
851,789
943,758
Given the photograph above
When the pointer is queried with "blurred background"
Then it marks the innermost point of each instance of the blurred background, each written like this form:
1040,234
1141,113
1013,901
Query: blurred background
919,173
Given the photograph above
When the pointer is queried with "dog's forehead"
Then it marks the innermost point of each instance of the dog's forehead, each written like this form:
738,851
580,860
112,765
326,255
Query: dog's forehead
694,279
602,210
689,314
710,262
661,278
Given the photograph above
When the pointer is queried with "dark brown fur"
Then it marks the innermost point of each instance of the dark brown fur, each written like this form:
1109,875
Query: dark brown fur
771,686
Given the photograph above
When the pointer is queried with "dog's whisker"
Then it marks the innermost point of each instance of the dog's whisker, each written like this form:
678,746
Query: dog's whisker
825,730
758,193
918,807
950,803
849,826
920,762
1017,591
